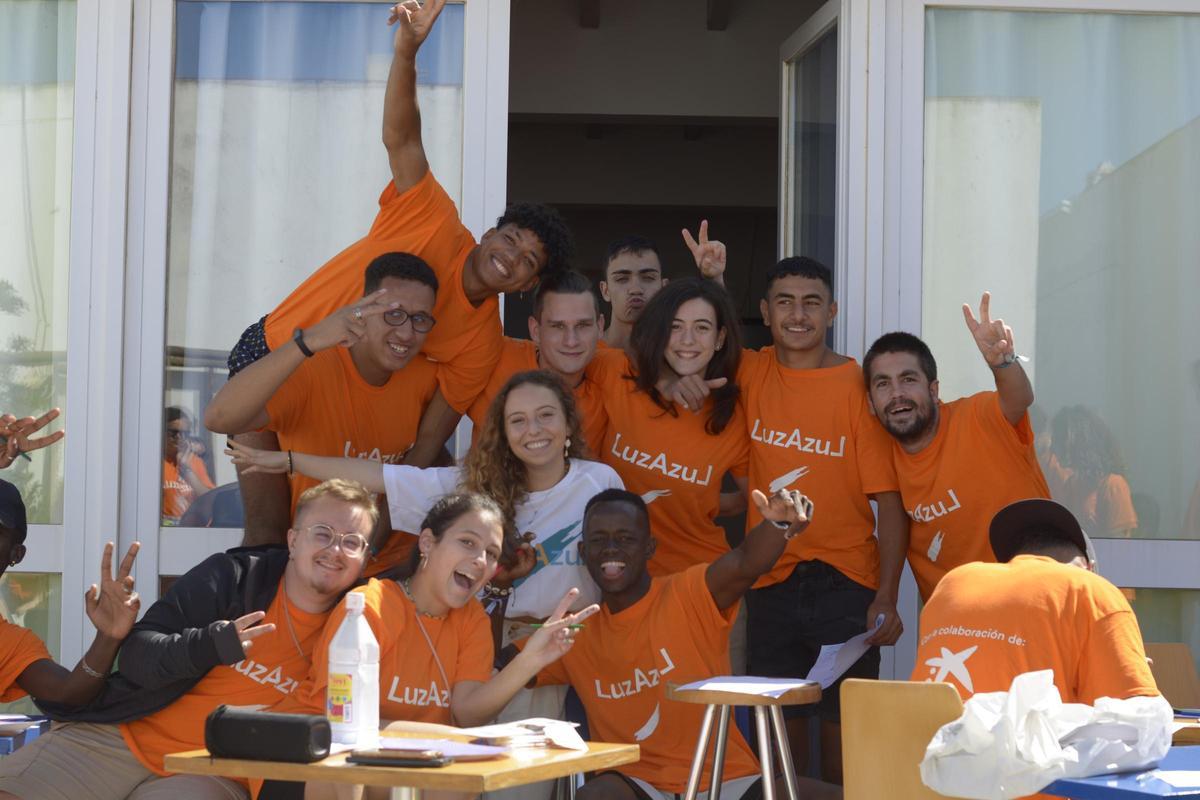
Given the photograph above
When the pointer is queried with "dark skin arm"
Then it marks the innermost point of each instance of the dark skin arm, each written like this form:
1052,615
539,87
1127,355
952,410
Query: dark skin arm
437,426
892,522
731,575
112,607
401,115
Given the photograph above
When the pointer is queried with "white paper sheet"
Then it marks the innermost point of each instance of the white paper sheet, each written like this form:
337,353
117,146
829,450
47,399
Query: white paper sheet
748,684
1180,779
560,733
834,659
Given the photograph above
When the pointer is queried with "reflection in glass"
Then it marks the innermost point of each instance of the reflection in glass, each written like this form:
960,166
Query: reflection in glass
33,600
1167,615
1062,156
37,72
277,164
814,143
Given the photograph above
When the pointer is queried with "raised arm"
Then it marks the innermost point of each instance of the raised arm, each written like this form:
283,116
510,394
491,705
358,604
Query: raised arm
241,405
995,342
368,473
785,514
112,606
401,115
709,255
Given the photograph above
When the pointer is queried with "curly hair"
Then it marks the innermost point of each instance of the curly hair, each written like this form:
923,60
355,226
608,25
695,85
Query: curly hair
548,227
652,333
491,467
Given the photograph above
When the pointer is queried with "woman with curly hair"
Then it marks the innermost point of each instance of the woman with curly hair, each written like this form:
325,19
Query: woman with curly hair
528,460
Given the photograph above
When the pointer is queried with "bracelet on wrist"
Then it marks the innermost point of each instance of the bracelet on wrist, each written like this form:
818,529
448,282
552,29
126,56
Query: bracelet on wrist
298,338
91,672
291,466
495,591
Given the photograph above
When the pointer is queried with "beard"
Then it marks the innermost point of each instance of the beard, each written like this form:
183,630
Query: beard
924,416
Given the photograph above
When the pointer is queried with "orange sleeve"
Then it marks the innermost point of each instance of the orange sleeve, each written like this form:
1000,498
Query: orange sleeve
464,378
1113,661
286,406
424,205
873,447
1114,505
985,410
19,647
476,653
698,610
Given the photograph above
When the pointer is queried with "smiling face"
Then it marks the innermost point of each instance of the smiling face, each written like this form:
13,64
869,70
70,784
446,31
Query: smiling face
695,337
509,259
902,397
535,425
326,571
799,311
459,563
615,546
387,348
566,334
631,279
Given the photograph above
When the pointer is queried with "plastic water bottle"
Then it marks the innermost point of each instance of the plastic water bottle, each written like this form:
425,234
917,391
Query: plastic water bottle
352,694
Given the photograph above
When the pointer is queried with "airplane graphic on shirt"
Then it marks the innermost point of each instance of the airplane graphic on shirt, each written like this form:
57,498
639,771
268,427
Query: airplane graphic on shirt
935,547
649,728
787,479
652,495
551,548
953,665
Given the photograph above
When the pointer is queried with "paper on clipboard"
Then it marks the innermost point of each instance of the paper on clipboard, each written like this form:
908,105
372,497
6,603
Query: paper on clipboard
834,659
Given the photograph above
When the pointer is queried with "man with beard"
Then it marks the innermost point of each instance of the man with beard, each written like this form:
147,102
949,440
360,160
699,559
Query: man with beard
958,463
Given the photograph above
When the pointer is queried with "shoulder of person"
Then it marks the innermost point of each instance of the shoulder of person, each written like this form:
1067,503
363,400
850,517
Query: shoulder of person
599,473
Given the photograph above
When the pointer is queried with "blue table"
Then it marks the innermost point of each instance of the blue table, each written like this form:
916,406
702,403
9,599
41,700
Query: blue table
1133,785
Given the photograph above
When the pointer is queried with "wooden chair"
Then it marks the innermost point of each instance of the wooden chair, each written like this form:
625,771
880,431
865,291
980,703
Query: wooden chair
886,726
1175,673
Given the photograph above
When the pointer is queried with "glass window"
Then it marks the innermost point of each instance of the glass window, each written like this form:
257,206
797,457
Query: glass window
814,149
1062,156
277,164
1167,615
33,600
37,66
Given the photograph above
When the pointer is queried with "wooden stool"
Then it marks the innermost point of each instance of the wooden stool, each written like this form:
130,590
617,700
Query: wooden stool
763,707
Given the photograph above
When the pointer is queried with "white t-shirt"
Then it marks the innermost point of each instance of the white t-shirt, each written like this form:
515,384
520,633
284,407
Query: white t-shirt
554,515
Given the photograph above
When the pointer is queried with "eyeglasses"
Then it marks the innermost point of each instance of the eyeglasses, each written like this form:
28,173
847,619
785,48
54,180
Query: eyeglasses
421,322
323,536
171,433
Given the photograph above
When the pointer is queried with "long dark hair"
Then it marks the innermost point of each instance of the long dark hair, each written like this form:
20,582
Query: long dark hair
652,333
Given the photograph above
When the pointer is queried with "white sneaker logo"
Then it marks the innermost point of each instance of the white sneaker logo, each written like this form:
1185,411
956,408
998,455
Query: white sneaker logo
786,479
935,547
652,495
650,727
953,665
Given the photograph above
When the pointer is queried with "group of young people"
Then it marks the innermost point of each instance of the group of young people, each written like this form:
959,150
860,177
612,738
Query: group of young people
603,453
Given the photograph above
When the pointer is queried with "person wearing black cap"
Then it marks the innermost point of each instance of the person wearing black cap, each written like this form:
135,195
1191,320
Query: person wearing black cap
1041,607
26,666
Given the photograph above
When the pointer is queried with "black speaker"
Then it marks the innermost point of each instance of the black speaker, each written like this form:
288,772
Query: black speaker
231,732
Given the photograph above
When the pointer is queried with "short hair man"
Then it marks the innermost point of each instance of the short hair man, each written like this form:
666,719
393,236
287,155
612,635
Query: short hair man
1040,607
564,331
674,628
417,216
237,629
957,462
633,274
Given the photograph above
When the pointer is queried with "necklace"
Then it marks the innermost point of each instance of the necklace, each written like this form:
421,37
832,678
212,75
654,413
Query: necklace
287,617
417,616
406,585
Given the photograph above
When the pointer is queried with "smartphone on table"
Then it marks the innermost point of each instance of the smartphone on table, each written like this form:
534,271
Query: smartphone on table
399,758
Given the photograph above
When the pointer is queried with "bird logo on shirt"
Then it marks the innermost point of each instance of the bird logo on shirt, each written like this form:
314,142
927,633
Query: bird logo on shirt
953,665
935,547
652,495
786,479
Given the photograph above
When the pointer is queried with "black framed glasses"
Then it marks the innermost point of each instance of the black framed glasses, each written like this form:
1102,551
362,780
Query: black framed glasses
324,536
421,322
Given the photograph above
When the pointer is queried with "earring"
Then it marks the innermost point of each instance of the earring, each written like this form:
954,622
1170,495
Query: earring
421,563
567,448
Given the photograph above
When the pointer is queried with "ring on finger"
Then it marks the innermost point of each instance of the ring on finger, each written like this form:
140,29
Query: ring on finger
358,313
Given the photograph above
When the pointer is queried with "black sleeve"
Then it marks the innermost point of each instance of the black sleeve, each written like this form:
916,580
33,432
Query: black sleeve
190,630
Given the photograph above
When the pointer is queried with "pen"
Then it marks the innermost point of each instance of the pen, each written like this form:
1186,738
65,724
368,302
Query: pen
576,627
21,453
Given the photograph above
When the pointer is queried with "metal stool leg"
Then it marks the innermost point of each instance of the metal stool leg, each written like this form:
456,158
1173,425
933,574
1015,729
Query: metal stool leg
572,784
693,784
764,753
718,770
785,753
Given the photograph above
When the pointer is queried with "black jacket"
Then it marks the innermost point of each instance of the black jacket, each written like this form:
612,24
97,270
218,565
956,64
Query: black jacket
184,635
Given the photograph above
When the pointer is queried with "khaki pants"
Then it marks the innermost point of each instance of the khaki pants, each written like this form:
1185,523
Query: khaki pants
86,761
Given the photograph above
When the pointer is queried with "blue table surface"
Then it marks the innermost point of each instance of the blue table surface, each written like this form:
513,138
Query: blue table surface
1131,785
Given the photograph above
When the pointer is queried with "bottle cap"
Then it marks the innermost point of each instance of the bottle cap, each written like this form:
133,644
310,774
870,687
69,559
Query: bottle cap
355,601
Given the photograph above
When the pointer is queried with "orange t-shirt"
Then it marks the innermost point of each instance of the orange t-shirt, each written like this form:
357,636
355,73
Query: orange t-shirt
988,623
19,647
273,667
411,686
672,462
325,408
674,634
519,355
422,221
178,494
977,463
813,430
1103,508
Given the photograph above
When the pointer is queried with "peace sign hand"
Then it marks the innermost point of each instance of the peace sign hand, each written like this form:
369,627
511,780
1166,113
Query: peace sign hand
787,508
347,326
113,605
416,21
556,637
709,255
993,338
16,433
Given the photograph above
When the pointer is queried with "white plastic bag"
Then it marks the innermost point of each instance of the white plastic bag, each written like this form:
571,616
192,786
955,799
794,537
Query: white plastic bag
1014,743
